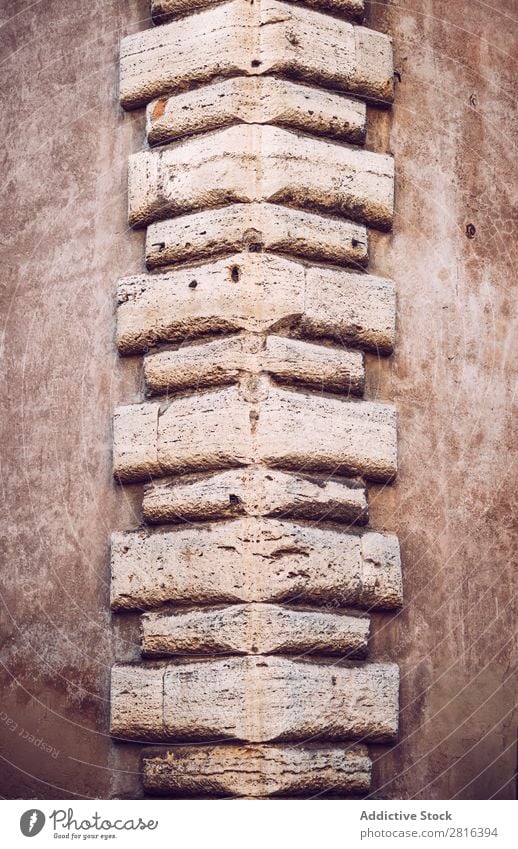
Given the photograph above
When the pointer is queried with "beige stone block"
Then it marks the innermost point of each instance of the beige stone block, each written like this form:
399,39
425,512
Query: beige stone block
220,429
258,700
136,702
257,293
255,227
256,100
306,432
325,368
245,292
166,10
257,771
248,560
255,492
227,360
199,366
257,39
135,442
254,629
350,308
248,163
211,430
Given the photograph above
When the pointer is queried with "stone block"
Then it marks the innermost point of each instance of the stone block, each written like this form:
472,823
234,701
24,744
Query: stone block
263,38
256,100
228,360
255,227
258,293
255,700
254,629
251,163
257,771
255,492
254,560
166,10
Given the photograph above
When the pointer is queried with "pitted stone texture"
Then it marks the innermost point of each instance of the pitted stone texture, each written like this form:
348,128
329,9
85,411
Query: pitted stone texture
225,361
248,163
255,227
221,429
250,560
254,629
134,442
255,699
258,293
306,432
256,771
265,37
256,100
166,10
255,492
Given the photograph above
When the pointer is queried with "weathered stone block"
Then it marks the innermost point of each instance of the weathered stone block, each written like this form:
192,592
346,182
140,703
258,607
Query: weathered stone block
255,227
353,437
225,361
248,163
255,699
166,10
258,293
252,559
256,771
210,430
254,629
255,492
265,37
135,442
256,100
221,429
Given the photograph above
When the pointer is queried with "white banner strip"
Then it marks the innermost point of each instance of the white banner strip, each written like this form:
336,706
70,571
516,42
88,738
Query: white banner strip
300,824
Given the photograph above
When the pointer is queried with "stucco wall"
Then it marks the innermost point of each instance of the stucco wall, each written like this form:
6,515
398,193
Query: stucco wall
65,242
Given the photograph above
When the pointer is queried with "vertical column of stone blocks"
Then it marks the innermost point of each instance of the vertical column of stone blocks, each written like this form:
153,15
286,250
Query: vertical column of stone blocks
254,565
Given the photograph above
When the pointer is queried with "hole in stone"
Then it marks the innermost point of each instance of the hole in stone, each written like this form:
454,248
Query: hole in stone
471,231
193,284
235,273
234,499
255,63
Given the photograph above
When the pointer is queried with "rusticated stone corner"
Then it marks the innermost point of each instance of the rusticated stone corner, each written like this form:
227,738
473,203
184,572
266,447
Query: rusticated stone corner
254,568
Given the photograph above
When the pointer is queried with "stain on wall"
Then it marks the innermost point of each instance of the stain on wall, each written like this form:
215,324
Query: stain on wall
65,242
